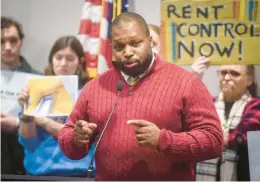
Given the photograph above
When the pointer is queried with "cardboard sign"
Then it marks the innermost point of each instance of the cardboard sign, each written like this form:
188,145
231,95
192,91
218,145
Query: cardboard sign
227,31
52,95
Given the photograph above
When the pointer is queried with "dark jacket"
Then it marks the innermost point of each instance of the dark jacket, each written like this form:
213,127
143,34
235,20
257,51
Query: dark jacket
12,154
25,67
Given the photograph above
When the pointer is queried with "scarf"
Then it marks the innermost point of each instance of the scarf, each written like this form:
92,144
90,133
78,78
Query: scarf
227,162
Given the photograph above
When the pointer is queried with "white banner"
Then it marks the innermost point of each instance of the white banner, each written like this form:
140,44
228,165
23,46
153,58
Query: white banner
11,84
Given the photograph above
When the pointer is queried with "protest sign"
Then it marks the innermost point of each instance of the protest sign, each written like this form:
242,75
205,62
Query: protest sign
52,95
227,31
11,84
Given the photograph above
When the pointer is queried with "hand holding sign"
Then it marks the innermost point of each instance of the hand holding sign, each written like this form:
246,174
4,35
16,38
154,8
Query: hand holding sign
147,133
23,96
199,66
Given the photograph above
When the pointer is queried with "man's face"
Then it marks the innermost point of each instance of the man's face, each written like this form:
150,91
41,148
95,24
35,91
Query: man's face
131,48
11,45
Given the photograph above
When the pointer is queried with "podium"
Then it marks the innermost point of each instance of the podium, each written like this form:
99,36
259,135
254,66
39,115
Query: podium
253,140
9,177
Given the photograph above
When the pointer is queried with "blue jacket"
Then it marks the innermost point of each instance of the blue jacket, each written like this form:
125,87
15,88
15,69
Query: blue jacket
43,156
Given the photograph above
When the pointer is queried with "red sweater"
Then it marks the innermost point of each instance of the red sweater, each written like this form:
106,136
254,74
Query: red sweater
167,96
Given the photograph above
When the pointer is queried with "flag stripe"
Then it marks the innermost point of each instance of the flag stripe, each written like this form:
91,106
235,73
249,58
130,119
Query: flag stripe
94,32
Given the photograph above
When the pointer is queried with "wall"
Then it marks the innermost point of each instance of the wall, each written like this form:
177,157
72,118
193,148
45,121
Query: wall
46,20
43,22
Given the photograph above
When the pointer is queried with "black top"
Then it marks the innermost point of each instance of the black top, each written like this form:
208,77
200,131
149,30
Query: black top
25,67
12,153
228,106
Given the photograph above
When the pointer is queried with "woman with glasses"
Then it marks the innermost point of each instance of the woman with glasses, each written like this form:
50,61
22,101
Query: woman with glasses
239,112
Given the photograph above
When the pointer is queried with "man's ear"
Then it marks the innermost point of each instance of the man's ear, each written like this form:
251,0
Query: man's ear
250,79
21,45
151,41
250,82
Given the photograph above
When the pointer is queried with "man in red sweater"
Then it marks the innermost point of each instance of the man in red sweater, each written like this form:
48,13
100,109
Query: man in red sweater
163,124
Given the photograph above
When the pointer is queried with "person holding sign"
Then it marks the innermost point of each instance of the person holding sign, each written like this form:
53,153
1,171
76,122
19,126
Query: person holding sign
11,59
38,135
239,111
12,36
154,119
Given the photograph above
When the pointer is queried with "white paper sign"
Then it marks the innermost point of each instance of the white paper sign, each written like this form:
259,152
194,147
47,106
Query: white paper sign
11,84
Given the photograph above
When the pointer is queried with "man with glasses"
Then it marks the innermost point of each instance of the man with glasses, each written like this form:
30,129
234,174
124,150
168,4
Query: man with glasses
11,43
239,111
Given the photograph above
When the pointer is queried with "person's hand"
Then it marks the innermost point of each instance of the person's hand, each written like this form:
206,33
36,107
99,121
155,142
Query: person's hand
23,96
147,133
83,132
26,118
8,122
199,66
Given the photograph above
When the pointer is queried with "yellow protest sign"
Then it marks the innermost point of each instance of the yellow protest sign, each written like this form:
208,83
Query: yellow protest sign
227,31
51,95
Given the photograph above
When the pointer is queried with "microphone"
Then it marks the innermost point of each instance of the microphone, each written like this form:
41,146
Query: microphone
119,88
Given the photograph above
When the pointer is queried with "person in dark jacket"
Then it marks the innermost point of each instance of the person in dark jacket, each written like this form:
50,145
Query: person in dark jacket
11,42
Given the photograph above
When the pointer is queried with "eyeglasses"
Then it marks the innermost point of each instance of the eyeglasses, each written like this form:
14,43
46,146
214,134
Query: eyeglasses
231,73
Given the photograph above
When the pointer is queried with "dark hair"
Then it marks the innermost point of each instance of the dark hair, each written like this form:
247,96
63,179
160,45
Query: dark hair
131,17
8,22
75,45
253,87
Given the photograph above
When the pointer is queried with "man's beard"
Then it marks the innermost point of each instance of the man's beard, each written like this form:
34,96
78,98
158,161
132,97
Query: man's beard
140,68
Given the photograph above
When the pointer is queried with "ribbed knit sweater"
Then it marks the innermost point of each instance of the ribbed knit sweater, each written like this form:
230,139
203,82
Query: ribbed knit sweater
170,97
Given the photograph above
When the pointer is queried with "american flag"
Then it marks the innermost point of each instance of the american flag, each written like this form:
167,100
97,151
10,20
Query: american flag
94,34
